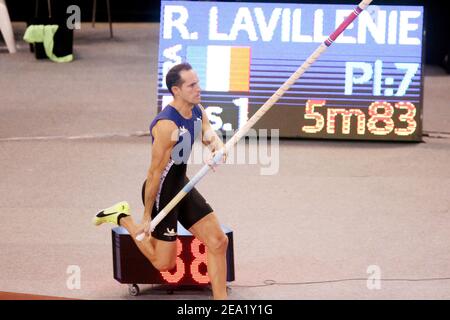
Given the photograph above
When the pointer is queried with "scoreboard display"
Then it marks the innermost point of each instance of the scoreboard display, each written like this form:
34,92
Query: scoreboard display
367,86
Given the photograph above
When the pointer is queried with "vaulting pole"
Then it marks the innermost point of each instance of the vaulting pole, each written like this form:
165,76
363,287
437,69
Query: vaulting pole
265,107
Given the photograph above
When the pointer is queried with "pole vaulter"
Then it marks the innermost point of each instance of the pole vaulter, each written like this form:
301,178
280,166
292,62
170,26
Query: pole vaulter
265,107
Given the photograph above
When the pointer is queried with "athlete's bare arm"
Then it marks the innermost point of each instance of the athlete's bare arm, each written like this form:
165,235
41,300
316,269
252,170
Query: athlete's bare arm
209,136
165,134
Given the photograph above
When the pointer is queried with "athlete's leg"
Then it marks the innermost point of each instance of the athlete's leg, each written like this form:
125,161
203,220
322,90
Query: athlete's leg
162,254
208,231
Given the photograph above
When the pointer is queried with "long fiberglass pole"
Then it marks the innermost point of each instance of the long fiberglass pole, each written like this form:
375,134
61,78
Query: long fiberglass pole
265,107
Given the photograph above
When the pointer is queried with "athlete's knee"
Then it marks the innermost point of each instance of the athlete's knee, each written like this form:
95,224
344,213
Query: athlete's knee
217,243
164,264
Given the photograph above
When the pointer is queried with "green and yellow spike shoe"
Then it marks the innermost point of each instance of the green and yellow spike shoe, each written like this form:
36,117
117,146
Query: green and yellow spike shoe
112,214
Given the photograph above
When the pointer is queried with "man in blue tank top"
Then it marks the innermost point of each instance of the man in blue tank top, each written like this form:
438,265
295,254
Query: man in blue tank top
173,133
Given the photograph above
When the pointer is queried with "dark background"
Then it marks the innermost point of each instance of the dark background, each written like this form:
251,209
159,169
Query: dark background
437,16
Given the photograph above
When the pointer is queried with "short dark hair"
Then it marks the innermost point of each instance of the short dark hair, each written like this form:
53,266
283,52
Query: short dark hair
173,77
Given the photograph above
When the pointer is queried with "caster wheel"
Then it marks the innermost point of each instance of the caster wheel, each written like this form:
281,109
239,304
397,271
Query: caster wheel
133,290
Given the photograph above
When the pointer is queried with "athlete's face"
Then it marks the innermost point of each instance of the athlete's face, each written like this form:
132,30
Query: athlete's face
190,90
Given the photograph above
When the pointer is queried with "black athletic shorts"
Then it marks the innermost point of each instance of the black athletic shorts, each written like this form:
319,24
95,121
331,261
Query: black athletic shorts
188,211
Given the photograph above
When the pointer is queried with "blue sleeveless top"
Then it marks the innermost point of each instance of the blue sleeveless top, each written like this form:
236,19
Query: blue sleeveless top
189,129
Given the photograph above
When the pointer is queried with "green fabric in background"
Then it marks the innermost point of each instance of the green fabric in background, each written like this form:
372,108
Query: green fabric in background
45,34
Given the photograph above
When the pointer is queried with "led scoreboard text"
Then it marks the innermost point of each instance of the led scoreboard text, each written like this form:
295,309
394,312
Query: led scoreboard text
196,269
131,266
368,85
